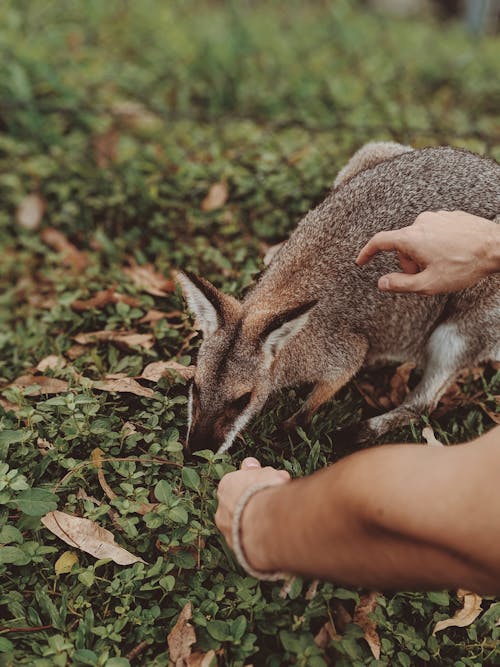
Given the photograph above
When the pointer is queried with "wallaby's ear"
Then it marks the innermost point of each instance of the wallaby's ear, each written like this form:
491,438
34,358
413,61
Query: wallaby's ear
283,326
204,300
211,307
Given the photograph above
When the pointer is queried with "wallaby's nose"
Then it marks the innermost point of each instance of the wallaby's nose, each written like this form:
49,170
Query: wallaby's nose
201,439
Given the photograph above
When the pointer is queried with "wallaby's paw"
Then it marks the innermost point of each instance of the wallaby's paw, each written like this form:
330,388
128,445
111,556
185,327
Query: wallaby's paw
298,420
356,434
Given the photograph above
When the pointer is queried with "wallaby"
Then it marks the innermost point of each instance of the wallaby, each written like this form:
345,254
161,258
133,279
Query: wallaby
315,317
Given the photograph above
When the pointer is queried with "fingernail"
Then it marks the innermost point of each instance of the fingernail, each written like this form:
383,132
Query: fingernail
383,283
250,462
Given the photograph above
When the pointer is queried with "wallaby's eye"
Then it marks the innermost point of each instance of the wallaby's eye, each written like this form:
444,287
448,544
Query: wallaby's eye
242,402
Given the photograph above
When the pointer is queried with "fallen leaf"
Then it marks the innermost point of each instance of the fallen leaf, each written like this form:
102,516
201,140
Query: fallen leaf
181,637
203,659
65,563
30,211
494,416
153,316
75,351
102,299
462,617
52,362
430,438
44,446
366,606
87,536
341,616
158,369
96,457
146,508
126,385
8,405
399,383
136,116
39,385
123,339
105,147
287,587
312,590
70,254
325,635
128,428
148,279
216,197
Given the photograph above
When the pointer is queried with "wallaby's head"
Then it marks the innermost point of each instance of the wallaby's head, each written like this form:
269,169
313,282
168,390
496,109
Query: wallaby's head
234,373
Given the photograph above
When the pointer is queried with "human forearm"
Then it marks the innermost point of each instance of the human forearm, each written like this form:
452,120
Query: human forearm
397,516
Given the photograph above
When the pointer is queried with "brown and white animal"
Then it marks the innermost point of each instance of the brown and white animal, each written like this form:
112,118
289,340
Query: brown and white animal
316,317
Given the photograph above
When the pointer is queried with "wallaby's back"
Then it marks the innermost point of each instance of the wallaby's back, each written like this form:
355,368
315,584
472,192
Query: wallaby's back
317,262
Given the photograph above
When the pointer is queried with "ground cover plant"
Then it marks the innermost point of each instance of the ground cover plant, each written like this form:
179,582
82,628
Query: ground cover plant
140,137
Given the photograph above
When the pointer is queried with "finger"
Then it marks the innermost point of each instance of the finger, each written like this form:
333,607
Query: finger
403,282
250,462
381,241
407,264
284,474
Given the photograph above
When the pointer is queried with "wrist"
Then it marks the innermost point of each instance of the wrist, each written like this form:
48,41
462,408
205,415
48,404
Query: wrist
258,530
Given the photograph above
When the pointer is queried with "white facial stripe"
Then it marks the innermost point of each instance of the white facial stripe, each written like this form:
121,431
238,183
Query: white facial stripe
238,425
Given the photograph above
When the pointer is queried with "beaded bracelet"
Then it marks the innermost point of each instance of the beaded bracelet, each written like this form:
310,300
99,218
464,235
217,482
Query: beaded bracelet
236,534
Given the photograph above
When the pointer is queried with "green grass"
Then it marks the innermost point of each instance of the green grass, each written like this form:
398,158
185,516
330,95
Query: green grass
271,98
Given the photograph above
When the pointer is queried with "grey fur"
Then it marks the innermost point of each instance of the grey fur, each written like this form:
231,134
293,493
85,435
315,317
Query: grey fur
353,323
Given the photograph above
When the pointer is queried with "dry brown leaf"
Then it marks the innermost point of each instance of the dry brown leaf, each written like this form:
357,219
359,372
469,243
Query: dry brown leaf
494,416
399,383
286,587
312,590
341,616
44,446
88,536
216,197
148,279
366,606
153,316
158,369
123,339
105,147
146,508
136,116
128,428
102,299
325,635
52,362
203,659
70,254
96,457
7,405
30,211
462,617
182,637
40,384
75,351
430,438
125,385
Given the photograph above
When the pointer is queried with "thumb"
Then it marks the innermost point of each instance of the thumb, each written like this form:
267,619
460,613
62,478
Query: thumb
250,462
403,282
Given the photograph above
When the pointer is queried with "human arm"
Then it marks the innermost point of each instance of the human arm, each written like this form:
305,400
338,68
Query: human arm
398,516
445,251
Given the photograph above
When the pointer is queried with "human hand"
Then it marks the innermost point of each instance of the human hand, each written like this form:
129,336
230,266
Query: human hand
231,488
445,251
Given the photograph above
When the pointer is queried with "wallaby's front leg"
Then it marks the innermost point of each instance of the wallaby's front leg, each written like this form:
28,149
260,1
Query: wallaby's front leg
325,389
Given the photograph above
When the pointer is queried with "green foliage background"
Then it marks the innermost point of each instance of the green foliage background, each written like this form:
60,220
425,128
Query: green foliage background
272,98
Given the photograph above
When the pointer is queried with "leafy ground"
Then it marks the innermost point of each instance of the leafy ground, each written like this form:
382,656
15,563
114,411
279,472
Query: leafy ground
118,119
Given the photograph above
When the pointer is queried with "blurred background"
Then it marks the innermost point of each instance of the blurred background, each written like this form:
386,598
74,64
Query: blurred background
121,115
